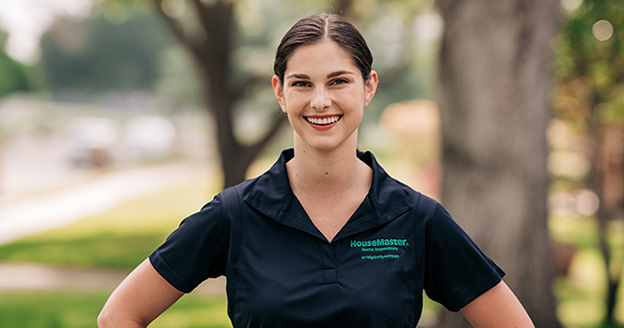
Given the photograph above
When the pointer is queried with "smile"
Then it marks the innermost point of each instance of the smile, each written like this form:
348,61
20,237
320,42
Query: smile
324,120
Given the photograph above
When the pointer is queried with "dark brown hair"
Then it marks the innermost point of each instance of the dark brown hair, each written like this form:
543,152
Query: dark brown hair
314,29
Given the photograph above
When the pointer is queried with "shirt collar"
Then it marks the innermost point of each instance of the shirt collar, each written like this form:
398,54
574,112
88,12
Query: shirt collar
272,196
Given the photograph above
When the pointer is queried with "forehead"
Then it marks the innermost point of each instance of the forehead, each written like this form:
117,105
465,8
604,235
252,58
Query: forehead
322,57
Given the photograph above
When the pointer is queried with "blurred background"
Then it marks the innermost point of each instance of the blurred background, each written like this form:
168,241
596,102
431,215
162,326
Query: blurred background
118,118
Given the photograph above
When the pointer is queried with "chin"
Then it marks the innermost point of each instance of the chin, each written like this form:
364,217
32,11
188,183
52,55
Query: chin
329,146
327,143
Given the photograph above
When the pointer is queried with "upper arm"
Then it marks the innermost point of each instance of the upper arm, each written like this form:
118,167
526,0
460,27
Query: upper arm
457,271
139,299
498,307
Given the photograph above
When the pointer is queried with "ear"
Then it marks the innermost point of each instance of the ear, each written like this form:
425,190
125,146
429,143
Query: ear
278,91
371,87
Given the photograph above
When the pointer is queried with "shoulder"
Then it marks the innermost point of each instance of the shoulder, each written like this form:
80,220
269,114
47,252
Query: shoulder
274,180
427,210
393,198
426,204
235,193
232,196
423,208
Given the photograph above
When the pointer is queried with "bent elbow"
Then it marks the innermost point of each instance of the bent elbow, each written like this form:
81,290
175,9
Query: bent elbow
106,319
103,320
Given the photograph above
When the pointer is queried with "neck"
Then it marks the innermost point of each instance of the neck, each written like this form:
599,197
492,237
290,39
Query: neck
325,173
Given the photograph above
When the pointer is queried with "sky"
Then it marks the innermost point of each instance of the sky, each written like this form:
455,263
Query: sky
26,20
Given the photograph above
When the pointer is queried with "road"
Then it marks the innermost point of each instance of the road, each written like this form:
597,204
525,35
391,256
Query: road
40,190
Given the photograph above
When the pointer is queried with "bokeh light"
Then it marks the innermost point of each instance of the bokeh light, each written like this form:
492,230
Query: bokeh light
603,30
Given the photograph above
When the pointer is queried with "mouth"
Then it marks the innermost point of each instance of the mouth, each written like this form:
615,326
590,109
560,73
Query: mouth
323,120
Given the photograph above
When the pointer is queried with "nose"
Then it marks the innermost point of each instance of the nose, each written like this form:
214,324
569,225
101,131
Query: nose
320,99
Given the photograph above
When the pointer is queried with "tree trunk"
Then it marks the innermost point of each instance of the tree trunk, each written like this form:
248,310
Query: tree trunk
211,50
214,58
495,72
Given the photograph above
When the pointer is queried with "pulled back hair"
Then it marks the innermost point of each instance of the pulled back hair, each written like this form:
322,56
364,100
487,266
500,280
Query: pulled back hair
314,29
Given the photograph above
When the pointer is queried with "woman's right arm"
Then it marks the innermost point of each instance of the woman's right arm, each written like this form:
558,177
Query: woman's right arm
139,299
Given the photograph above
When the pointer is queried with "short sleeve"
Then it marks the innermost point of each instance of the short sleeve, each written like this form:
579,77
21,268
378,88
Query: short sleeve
196,250
457,270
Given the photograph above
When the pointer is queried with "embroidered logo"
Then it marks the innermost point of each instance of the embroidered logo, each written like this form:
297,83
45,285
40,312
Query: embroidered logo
379,249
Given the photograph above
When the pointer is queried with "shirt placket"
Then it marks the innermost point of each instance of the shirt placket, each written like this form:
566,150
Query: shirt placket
329,264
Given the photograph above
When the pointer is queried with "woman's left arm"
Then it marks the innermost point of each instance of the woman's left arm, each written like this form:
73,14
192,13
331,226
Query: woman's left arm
496,308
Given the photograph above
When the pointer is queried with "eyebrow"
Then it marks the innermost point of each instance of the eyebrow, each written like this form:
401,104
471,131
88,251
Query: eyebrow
329,76
298,76
338,73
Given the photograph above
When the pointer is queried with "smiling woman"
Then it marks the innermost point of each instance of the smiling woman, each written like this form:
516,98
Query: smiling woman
324,91
325,238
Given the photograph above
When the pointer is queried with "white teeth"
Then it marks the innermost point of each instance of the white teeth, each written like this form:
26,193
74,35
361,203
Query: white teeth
323,121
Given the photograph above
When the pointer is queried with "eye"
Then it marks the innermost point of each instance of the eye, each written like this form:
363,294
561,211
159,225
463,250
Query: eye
300,84
339,81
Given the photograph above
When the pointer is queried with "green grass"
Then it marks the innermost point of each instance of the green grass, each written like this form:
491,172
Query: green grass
80,309
118,251
120,238
50,309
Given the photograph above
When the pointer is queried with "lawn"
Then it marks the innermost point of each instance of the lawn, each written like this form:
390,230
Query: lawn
119,239
80,310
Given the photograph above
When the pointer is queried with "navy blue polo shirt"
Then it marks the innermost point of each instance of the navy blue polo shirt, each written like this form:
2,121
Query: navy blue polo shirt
282,272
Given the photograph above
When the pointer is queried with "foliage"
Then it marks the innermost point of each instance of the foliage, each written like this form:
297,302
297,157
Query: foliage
580,289
590,98
99,54
587,69
15,76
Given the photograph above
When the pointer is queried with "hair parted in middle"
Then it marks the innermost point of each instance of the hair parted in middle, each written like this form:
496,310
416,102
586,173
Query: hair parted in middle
318,27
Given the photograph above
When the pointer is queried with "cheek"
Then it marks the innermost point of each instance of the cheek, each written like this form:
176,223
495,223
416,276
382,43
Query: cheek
352,100
295,100
293,118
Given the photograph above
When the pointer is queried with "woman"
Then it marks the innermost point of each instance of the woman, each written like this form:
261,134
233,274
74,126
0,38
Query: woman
325,237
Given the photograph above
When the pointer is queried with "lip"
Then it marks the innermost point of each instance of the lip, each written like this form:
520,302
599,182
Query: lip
322,127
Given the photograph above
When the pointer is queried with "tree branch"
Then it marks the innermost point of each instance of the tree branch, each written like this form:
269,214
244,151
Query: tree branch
255,149
176,29
211,15
202,11
239,91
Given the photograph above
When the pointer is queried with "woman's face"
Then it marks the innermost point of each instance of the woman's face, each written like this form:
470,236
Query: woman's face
324,95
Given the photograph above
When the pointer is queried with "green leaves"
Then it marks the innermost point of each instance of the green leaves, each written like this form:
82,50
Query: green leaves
15,76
